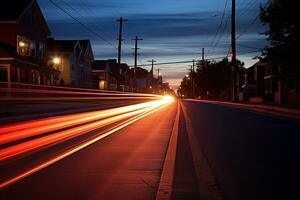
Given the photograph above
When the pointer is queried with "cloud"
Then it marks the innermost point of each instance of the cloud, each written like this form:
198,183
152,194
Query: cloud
172,30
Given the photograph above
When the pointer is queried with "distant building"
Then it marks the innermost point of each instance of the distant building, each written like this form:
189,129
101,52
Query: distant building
102,73
111,75
74,60
141,78
266,82
252,87
23,42
124,78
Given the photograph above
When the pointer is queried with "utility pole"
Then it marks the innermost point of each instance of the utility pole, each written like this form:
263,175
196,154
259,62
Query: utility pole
121,20
193,79
233,51
135,57
152,64
202,57
158,70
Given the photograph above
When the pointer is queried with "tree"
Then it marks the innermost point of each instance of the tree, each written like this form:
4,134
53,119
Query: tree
212,79
283,33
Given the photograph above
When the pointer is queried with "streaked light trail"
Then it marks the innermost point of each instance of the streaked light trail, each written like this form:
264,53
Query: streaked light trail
86,122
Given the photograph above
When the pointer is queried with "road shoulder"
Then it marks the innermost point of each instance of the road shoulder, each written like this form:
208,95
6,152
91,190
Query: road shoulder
281,112
207,182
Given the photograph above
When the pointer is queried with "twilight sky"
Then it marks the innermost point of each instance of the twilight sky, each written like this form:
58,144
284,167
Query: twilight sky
173,30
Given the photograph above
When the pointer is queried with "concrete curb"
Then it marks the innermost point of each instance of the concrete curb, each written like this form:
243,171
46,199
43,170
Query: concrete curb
208,186
272,110
164,191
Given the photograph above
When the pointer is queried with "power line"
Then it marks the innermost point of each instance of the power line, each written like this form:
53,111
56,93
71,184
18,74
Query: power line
247,9
99,25
221,23
253,21
191,61
82,24
249,47
178,62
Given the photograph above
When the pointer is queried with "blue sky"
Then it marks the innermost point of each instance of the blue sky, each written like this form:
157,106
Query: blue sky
172,30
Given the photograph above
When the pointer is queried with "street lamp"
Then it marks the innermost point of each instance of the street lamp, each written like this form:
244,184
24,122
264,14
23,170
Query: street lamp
56,60
22,44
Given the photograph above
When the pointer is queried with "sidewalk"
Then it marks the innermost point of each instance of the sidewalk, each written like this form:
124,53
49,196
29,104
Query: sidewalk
279,111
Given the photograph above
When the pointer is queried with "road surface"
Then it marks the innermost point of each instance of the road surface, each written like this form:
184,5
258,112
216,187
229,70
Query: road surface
252,155
234,154
125,165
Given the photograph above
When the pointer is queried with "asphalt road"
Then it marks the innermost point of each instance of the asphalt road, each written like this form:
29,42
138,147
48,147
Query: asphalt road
253,156
124,165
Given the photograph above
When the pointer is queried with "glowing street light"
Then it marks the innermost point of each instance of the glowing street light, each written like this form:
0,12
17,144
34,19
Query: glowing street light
22,44
56,60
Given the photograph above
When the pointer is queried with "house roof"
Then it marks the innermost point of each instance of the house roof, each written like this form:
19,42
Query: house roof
99,64
11,10
61,45
84,43
141,72
114,66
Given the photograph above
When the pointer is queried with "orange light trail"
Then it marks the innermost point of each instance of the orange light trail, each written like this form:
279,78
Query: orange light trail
23,130
91,121
135,116
73,150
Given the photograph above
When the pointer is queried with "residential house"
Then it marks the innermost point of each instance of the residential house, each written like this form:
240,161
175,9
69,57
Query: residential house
111,75
253,87
74,60
265,82
102,72
23,42
124,78
86,64
141,79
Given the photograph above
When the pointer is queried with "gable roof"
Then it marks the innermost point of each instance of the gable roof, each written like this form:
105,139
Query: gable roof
99,64
11,10
84,43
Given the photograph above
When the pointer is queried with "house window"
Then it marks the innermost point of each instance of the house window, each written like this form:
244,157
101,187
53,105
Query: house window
26,47
23,46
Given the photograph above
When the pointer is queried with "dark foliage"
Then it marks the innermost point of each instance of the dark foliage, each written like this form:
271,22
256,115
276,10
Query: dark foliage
212,80
282,17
